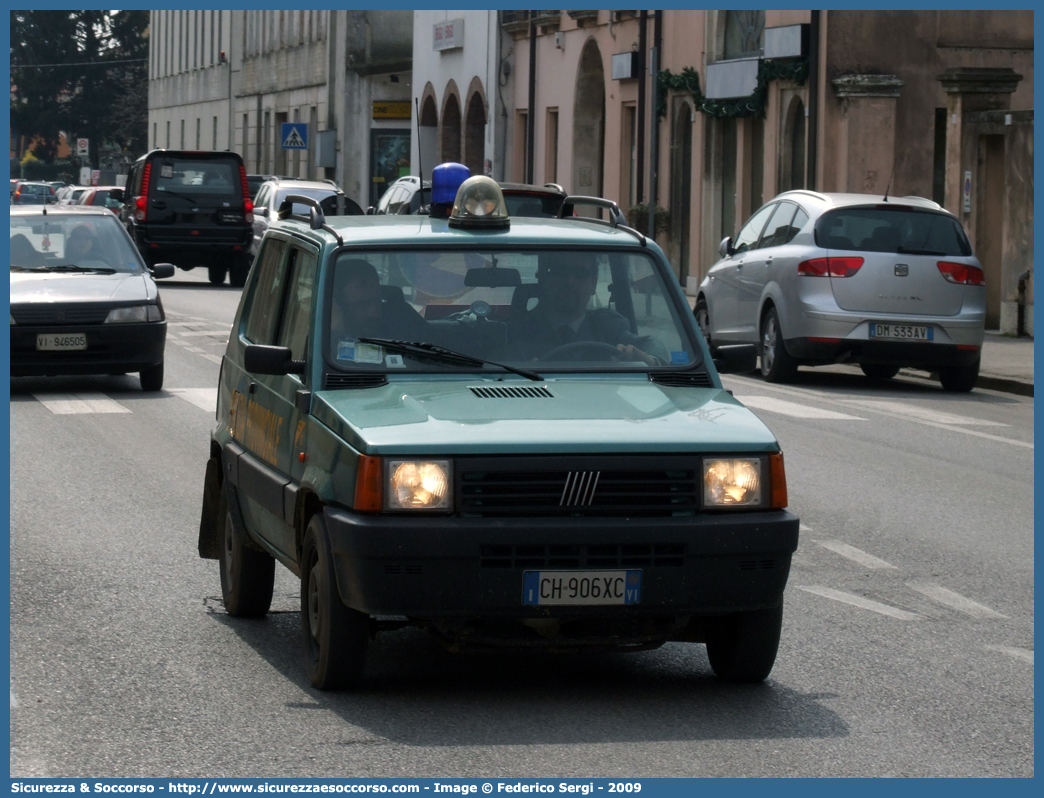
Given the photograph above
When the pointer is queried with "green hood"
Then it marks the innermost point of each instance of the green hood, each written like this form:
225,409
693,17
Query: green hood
582,416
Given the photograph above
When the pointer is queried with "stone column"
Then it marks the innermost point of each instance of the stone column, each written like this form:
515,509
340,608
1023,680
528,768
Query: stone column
970,89
866,139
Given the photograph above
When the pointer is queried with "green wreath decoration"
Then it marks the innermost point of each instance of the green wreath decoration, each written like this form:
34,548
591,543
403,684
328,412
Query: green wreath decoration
754,105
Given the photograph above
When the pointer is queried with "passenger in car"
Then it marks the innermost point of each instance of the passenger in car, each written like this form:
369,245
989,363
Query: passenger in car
79,245
364,308
562,318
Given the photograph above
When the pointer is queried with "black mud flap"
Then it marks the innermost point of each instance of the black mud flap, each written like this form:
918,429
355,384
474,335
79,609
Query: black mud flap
209,546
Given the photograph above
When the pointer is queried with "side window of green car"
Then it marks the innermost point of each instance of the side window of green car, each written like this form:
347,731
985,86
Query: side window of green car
266,302
297,316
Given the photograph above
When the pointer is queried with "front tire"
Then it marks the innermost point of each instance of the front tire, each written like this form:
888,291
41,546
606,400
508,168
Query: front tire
959,379
742,646
151,378
879,371
216,273
776,363
247,574
336,637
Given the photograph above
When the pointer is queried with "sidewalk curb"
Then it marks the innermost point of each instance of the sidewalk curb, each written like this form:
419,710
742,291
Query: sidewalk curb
988,381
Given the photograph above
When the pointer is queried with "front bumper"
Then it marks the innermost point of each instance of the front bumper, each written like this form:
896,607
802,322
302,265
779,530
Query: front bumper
440,568
110,348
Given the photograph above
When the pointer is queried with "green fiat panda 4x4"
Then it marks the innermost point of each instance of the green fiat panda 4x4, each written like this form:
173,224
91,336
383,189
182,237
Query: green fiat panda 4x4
506,431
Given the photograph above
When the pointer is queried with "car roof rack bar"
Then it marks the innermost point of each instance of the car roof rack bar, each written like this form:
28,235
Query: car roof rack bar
316,218
616,217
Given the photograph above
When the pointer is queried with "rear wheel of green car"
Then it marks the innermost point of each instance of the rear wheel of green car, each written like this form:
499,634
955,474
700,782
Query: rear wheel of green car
742,646
336,637
247,573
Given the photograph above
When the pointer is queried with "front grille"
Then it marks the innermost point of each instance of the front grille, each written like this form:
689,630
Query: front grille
46,315
682,379
512,392
590,489
647,555
335,381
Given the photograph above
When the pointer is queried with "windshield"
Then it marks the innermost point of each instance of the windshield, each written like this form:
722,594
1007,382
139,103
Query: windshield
533,309
57,242
898,230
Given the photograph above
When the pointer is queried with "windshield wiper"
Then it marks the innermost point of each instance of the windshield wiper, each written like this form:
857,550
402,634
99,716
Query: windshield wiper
28,268
72,267
905,251
420,349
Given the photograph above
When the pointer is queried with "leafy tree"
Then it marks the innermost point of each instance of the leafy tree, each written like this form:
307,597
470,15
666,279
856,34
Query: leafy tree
70,71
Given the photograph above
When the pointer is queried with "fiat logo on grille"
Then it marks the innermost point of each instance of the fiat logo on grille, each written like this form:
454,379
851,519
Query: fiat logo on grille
901,270
579,490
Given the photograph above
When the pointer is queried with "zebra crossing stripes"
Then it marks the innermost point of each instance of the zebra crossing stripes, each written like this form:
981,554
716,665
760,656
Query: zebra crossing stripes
793,409
953,600
861,602
63,404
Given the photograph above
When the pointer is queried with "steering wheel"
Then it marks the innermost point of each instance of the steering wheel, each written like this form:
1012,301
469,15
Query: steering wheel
596,350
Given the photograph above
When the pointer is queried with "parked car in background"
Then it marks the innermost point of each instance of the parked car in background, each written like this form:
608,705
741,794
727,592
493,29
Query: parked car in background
885,282
111,197
272,193
528,200
70,195
30,193
407,195
14,184
58,184
82,299
192,209
254,183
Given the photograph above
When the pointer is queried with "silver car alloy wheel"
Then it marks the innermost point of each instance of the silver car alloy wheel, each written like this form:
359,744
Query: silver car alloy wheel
703,322
768,345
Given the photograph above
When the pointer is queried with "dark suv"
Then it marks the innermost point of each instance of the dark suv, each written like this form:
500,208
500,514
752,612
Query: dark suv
192,209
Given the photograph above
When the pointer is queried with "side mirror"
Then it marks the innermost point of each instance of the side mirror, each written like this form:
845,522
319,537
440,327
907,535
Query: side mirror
262,359
736,359
261,212
725,247
162,270
370,210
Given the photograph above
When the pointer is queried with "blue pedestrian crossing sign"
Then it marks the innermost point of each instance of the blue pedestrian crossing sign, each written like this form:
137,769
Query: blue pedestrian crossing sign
294,135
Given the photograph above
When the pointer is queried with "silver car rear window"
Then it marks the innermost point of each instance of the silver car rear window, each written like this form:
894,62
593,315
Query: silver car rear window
899,230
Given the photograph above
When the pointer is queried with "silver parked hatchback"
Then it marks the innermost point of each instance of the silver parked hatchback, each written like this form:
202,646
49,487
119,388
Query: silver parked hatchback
815,278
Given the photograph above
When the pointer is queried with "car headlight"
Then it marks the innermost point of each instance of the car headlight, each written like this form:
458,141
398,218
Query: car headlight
131,314
732,482
418,485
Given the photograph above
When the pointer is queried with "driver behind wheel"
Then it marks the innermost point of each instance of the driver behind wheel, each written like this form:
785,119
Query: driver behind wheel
563,322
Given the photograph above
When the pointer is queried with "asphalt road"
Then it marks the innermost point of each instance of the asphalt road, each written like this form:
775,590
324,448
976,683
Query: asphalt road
907,643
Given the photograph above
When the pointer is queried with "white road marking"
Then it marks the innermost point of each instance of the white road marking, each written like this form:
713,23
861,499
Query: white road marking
62,405
855,555
921,413
195,349
804,528
14,701
213,358
1019,653
859,601
953,600
805,393
187,333
773,405
204,398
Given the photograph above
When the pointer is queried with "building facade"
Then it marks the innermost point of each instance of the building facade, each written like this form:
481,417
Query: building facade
232,79
747,104
461,98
